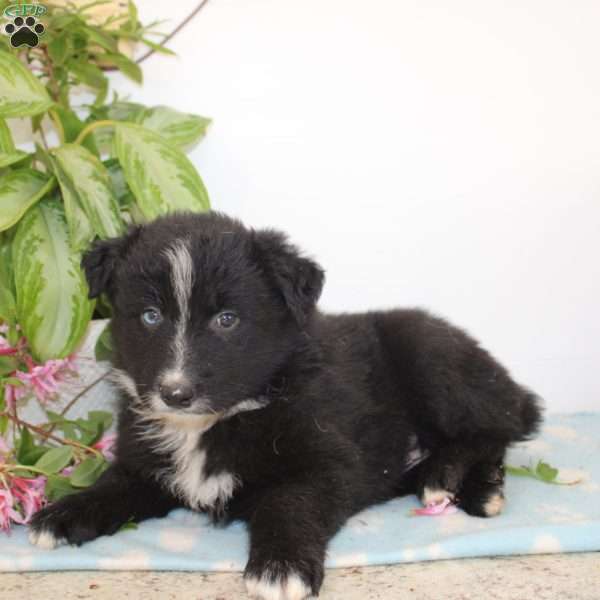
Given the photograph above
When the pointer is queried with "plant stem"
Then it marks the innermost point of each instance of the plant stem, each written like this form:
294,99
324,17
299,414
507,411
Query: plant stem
52,83
54,438
24,468
43,137
87,130
68,407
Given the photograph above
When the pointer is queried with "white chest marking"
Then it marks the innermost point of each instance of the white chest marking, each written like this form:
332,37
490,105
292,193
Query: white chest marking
178,436
186,478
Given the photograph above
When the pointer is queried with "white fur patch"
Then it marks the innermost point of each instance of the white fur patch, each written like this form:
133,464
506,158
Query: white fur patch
494,505
182,281
245,406
291,587
122,380
44,539
178,434
435,496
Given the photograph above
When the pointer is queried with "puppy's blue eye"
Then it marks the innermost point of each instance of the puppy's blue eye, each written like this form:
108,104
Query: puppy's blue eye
227,320
151,317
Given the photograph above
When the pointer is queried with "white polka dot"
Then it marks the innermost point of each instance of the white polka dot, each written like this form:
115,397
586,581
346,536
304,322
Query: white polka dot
408,554
454,524
357,559
572,476
227,565
177,539
536,446
22,563
558,513
124,562
590,486
561,432
435,550
7,564
25,563
546,544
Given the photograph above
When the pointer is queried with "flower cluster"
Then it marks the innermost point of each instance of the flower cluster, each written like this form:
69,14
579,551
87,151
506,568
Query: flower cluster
20,499
37,465
41,379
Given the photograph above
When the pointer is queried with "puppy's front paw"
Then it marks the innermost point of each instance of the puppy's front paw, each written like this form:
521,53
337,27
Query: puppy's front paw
283,580
73,520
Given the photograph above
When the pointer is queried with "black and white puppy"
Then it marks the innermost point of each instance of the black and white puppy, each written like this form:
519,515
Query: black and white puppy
241,399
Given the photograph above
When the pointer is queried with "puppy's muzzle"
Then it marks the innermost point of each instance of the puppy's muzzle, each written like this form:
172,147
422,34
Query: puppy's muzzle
177,395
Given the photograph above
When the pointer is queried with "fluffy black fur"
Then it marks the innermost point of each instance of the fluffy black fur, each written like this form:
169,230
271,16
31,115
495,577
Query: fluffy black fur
356,409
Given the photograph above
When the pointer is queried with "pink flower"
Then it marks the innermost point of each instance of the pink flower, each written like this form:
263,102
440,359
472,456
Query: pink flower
19,503
106,445
4,447
30,495
42,379
7,511
6,348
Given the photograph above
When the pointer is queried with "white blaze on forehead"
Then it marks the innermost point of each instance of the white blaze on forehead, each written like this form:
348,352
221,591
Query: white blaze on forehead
182,281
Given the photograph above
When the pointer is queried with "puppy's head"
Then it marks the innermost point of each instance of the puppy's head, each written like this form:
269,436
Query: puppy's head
205,311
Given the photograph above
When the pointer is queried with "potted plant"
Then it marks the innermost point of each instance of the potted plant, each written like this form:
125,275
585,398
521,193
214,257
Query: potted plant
92,167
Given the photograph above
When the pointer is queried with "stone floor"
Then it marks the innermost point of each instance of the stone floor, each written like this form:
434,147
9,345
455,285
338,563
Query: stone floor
549,577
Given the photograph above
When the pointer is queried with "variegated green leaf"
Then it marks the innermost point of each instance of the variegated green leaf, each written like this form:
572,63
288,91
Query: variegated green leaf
91,182
180,129
161,177
20,190
7,297
119,185
21,94
116,111
80,229
52,305
8,153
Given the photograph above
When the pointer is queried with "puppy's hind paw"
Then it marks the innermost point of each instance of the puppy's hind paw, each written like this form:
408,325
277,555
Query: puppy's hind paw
431,497
483,492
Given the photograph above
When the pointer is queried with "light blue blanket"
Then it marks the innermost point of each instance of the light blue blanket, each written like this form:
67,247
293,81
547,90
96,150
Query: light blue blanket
538,518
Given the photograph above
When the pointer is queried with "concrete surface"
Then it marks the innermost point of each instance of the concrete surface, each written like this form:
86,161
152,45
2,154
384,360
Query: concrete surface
549,577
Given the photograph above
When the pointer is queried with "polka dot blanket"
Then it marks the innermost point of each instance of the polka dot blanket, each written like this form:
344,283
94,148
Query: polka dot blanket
538,518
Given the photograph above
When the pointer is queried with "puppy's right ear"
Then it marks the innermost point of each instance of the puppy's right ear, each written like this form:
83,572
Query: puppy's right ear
100,260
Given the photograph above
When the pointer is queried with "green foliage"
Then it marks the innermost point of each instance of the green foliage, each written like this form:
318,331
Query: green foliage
55,460
52,305
34,455
116,163
104,346
541,471
143,155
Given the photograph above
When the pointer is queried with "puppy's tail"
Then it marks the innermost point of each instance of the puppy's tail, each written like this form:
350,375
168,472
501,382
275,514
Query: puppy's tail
531,410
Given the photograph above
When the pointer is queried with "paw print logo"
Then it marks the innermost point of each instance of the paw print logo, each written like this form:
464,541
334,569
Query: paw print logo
24,31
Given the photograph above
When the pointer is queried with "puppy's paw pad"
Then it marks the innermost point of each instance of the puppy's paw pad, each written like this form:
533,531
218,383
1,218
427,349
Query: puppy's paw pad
432,496
267,587
493,505
45,539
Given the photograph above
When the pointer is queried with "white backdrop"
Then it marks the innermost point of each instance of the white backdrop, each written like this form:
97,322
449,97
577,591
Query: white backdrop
431,153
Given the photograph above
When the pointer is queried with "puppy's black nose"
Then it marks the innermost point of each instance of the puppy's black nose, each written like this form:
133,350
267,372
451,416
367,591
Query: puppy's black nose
177,395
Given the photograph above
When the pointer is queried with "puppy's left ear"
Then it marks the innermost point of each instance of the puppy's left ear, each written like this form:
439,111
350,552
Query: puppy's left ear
298,279
100,261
